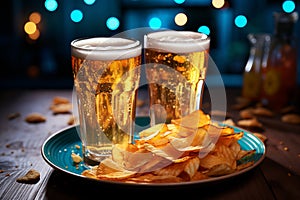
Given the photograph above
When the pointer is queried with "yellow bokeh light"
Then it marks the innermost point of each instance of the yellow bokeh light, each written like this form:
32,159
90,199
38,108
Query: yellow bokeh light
30,28
35,35
181,19
35,17
218,3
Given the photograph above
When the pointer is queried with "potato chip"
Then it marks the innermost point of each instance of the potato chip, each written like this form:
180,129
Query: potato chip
219,170
173,169
188,149
168,151
194,120
210,161
108,169
191,167
118,175
244,165
199,176
151,178
90,173
155,163
153,131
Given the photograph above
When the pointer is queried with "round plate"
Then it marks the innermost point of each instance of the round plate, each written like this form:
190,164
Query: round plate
57,150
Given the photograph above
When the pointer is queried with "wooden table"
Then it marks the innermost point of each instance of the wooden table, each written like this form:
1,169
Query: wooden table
277,177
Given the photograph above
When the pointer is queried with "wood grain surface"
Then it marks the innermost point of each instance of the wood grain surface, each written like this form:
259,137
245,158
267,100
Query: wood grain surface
277,177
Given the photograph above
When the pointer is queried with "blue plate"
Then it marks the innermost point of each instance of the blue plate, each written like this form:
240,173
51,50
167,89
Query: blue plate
57,150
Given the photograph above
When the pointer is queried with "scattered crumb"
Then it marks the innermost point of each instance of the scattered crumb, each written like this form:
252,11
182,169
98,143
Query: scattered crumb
261,111
59,100
76,158
251,112
12,116
64,108
77,146
246,113
253,122
61,105
8,174
1,170
285,148
32,176
291,118
71,120
35,118
289,174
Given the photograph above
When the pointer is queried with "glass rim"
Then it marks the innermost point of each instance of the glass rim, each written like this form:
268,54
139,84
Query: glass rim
194,36
177,41
131,43
105,48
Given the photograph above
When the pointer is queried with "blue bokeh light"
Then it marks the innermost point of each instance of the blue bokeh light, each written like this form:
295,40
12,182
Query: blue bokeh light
179,1
112,23
76,15
204,29
240,21
288,6
51,5
155,23
89,2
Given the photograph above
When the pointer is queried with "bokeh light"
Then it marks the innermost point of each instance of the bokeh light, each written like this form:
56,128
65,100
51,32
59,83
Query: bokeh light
89,2
76,15
51,5
35,35
180,19
35,17
204,29
112,23
155,23
30,27
288,6
240,21
179,1
218,3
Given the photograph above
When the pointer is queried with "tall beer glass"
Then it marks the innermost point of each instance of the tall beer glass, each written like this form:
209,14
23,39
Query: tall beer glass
176,64
106,77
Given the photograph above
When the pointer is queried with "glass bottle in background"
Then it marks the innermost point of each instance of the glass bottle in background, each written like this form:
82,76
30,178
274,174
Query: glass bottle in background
259,45
280,74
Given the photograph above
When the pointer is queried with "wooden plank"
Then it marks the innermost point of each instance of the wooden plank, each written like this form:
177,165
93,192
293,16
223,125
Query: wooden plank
276,178
283,183
20,142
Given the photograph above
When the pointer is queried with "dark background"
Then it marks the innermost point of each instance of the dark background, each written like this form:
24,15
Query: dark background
45,62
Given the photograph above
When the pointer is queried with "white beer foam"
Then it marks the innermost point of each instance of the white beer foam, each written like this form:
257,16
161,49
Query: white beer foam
105,48
177,41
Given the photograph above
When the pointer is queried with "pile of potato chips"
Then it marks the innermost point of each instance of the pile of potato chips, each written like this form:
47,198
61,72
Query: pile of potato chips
192,148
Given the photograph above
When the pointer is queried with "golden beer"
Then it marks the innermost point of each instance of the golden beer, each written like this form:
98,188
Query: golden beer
176,64
106,78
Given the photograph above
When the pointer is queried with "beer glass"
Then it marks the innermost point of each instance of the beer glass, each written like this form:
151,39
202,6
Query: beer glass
106,77
176,64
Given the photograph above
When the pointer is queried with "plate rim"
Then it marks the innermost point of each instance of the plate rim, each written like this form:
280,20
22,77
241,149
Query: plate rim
209,180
